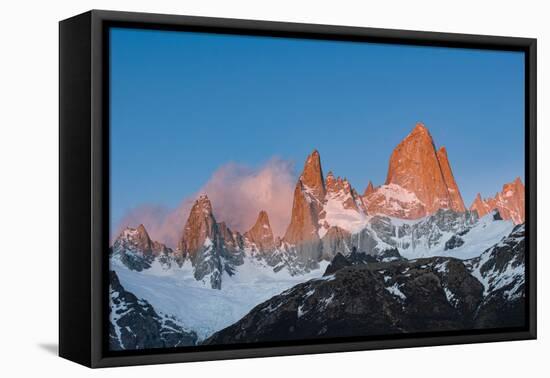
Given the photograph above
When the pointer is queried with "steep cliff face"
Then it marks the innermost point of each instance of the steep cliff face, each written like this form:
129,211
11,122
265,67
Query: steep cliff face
415,167
369,189
501,270
367,298
419,181
362,294
480,205
261,234
342,207
340,189
320,204
136,250
212,247
395,201
457,203
309,196
510,202
138,239
328,217
200,226
403,257
135,324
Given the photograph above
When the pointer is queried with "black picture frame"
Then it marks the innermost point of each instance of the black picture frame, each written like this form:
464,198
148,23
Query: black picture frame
84,185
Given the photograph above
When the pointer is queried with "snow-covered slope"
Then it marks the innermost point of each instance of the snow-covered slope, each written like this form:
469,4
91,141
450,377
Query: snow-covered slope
510,202
445,233
135,324
336,213
460,237
395,200
502,267
175,291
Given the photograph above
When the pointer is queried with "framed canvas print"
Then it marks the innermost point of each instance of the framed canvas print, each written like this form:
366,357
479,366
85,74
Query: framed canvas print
233,188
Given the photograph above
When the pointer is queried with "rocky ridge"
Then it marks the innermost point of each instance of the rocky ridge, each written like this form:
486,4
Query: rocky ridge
134,323
418,211
136,249
404,257
363,296
510,202
419,180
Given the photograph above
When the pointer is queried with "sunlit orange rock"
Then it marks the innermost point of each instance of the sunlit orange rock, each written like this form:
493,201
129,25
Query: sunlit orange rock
309,195
261,234
419,181
139,240
454,192
341,189
200,225
510,202
369,189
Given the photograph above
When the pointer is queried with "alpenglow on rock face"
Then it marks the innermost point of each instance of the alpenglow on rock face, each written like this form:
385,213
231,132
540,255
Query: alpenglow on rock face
359,294
212,247
419,181
309,195
369,189
200,225
136,250
341,189
402,257
510,202
457,204
328,217
261,234
320,204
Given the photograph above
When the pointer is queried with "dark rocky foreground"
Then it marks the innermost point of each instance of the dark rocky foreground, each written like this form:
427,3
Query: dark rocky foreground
358,297
502,269
134,323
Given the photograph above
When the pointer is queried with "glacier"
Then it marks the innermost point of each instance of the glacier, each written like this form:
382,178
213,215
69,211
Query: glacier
175,292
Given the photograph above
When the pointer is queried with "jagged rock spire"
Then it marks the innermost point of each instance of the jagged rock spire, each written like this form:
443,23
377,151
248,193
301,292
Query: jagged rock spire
457,203
417,167
369,189
312,175
138,240
261,233
309,195
200,225
510,202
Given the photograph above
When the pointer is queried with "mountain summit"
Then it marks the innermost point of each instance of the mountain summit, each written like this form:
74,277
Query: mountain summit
457,203
312,176
200,225
261,234
136,249
212,247
419,181
510,202
309,195
369,189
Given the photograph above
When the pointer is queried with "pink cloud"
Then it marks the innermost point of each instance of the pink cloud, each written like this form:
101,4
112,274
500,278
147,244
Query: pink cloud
237,193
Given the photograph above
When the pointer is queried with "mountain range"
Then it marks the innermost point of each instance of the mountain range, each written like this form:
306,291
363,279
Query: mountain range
384,298
416,218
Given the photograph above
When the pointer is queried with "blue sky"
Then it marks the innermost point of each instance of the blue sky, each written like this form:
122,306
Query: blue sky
183,104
